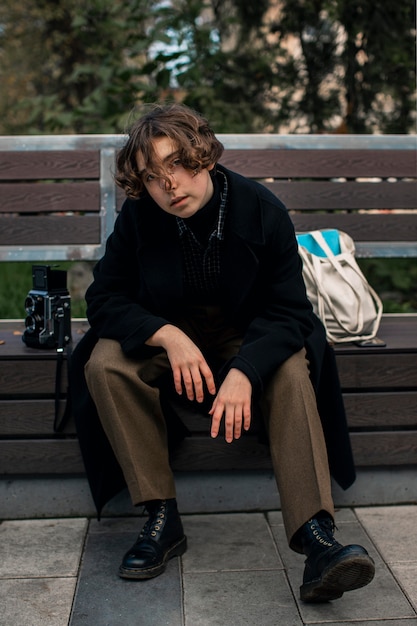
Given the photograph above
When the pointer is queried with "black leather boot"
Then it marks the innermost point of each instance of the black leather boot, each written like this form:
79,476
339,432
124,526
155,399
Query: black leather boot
330,568
161,538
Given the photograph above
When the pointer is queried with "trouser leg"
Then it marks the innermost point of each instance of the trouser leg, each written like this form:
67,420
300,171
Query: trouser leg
297,444
128,405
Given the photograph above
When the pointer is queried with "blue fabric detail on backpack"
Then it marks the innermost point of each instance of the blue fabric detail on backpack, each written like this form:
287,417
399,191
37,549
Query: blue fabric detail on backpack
331,237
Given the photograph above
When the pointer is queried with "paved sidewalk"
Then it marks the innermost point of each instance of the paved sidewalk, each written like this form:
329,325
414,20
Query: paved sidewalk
238,570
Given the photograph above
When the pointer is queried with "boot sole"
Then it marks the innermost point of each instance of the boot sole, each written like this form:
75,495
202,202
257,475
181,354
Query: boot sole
177,549
351,572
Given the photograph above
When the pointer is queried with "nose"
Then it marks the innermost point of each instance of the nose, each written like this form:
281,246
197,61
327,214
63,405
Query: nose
168,182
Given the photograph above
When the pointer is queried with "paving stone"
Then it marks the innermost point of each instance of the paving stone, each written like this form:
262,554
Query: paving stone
239,598
104,599
235,541
406,575
391,528
39,548
36,602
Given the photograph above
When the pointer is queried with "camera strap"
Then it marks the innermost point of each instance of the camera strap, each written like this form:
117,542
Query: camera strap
61,421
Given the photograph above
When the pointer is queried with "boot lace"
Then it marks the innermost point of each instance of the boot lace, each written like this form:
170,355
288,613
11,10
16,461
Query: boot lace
322,530
155,523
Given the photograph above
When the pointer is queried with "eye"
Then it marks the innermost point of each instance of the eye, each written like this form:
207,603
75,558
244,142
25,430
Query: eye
174,164
149,178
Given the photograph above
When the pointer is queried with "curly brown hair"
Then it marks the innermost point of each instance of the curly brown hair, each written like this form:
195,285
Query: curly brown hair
195,141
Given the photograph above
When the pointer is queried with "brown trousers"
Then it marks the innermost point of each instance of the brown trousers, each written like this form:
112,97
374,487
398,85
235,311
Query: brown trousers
127,399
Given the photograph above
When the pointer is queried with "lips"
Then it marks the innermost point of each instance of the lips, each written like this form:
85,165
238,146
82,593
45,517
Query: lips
176,201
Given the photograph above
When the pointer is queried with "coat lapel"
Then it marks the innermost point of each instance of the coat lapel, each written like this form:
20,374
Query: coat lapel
238,272
244,231
160,261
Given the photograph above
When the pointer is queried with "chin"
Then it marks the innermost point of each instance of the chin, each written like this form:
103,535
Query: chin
186,213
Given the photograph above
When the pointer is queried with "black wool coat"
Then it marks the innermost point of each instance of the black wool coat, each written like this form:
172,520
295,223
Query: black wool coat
138,287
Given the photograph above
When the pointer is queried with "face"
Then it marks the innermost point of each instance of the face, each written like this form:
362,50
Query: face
189,191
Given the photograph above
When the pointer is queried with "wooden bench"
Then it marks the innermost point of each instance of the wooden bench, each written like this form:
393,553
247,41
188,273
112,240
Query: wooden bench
58,202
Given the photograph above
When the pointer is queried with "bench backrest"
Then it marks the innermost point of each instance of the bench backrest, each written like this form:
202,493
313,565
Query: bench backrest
58,200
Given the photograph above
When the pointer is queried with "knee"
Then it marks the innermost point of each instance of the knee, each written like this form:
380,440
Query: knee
295,369
290,391
104,357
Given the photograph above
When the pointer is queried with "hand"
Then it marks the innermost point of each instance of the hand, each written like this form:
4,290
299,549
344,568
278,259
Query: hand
233,401
188,364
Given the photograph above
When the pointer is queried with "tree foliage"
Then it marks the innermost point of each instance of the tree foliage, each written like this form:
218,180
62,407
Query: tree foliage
72,66
268,66
379,63
355,63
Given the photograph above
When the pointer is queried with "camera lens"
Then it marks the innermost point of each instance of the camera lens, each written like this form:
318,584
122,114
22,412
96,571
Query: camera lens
29,305
34,323
30,324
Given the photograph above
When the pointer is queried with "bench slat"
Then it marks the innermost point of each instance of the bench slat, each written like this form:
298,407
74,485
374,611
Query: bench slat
50,197
85,229
35,377
63,456
367,371
13,348
385,410
360,371
41,456
49,230
365,411
361,227
369,449
399,331
317,195
29,418
321,163
379,449
48,164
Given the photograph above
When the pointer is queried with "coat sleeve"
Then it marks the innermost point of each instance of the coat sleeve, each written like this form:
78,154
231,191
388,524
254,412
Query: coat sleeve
113,307
283,318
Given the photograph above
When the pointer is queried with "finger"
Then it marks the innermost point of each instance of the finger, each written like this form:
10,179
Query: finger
229,421
177,381
197,385
247,418
209,379
187,380
207,374
216,413
237,430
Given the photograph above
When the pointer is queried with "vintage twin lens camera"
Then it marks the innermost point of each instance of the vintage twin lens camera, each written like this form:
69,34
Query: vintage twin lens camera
48,308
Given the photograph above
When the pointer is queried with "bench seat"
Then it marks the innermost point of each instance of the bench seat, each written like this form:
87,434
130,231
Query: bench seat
379,386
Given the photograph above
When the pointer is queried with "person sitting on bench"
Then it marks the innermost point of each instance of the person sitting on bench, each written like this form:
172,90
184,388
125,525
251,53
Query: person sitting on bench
201,289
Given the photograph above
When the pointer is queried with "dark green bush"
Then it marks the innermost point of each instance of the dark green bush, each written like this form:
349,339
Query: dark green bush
395,280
